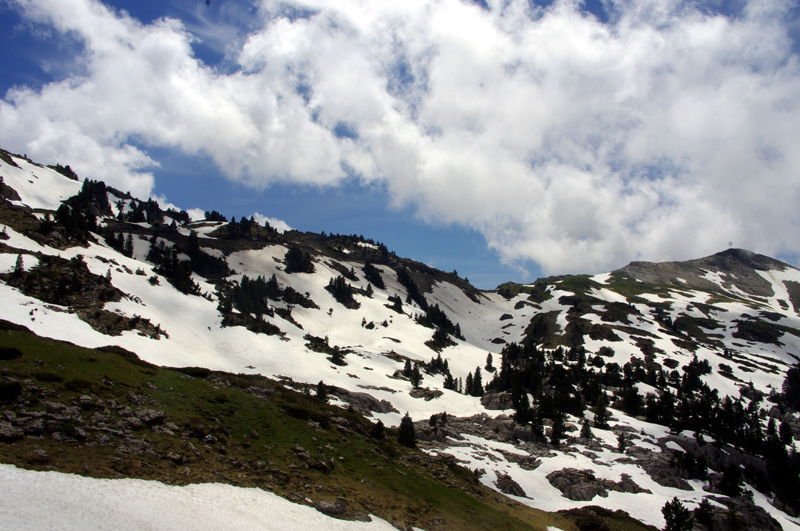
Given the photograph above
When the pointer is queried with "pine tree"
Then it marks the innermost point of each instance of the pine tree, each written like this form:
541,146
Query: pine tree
407,369
377,430
406,434
523,414
489,367
586,430
557,432
416,376
477,383
785,433
19,267
600,413
678,517
730,485
322,391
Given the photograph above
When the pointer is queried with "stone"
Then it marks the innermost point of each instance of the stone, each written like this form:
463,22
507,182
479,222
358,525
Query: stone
9,433
151,416
506,485
331,508
497,401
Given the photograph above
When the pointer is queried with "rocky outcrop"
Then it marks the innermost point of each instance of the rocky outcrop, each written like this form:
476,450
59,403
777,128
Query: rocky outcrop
497,401
506,485
583,485
363,402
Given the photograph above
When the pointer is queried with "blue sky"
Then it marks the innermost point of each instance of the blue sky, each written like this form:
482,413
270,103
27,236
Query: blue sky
503,139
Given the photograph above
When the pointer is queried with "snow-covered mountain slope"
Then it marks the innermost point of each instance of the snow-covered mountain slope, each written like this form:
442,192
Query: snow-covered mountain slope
660,345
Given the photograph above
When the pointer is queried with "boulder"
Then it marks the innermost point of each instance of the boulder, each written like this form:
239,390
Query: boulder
331,508
506,485
9,433
497,401
150,416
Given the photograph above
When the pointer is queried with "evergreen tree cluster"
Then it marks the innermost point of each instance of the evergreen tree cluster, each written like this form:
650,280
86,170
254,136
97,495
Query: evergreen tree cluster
342,292
251,296
249,229
412,372
66,171
367,248
214,216
298,261
77,223
562,382
373,275
473,385
92,197
177,272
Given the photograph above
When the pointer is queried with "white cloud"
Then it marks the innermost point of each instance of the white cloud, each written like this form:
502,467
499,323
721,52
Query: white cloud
664,134
278,224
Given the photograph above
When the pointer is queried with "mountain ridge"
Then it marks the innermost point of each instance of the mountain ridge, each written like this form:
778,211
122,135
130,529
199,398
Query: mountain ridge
551,390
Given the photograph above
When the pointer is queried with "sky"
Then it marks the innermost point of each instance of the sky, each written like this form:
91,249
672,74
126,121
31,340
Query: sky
503,139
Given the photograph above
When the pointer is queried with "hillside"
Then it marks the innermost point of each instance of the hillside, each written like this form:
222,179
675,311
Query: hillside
622,390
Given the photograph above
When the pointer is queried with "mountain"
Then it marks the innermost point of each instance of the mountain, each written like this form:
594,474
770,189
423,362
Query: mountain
580,394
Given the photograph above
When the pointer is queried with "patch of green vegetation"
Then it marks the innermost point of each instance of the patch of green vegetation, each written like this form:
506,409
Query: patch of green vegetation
537,292
633,289
577,283
695,328
594,518
759,331
543,330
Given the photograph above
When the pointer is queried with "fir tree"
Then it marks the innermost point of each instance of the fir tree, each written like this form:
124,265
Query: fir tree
322,391
477,383
557,432
406,434
600,413
377,430
19,266
586,430
677,516
416,376
489,367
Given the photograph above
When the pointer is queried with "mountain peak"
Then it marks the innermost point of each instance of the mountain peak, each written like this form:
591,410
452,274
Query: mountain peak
732,268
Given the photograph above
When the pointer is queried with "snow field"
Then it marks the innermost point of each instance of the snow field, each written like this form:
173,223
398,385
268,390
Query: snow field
52,500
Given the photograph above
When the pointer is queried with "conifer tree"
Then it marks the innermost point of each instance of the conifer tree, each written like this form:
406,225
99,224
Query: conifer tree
322,391
406,434
677,516
600,413
477,383
416,376
586,430
489,367
557,432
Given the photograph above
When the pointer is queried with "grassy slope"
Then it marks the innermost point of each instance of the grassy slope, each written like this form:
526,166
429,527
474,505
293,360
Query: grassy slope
256,437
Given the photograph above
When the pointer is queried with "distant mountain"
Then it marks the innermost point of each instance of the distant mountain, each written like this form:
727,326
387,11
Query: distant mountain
657,380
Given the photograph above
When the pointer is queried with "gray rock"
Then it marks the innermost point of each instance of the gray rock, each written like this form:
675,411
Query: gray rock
331,508
506,485
34,427
497,401
583,485
151,416
9,433
55,408
134,399
86,401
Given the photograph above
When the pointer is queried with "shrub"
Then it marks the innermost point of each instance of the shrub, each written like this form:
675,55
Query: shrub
9,391
10,353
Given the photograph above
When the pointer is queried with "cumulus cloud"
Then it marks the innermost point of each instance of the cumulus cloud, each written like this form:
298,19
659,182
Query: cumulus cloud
664,133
